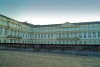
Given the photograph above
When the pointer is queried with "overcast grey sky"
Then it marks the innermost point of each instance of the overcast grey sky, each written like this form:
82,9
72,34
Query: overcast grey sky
51,11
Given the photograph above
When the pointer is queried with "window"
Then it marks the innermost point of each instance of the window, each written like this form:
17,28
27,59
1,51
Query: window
59,35
5,31
85,35
98,34
48,35
0,30
89,34
94,34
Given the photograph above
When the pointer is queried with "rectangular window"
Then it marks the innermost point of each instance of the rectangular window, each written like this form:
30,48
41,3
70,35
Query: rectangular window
85,35
98,34
89,34
94,34
0,30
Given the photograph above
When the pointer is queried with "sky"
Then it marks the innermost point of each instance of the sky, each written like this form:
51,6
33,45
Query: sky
44,12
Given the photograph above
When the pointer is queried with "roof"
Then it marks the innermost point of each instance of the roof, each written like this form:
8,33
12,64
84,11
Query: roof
84,23
52,25
11,19
34,26
8,17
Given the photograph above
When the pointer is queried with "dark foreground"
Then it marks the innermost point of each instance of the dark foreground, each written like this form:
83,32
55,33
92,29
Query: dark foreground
41,59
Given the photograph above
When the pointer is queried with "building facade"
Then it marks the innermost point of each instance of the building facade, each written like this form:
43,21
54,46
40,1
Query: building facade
13,31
